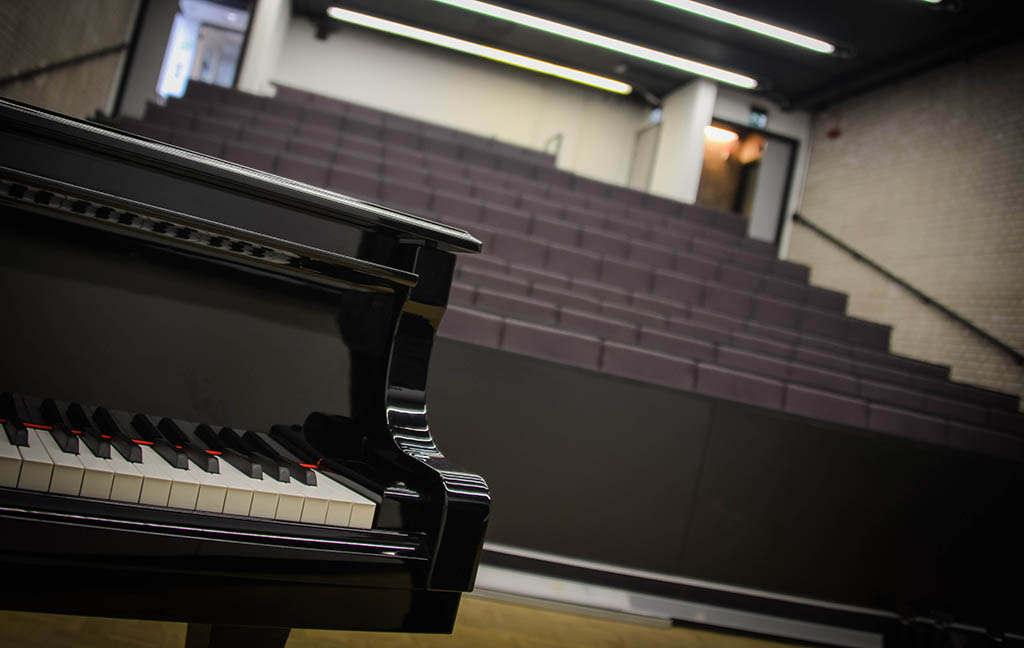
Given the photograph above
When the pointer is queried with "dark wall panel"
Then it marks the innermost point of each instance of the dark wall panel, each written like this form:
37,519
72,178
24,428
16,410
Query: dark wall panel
578,463
593,466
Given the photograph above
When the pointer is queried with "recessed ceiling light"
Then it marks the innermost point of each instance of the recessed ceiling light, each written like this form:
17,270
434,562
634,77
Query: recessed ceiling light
476,49
599,40
743,22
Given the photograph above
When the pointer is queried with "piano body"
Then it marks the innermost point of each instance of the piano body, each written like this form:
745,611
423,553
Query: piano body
213,403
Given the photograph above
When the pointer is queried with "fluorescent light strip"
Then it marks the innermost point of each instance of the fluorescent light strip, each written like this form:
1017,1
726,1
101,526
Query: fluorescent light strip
476,49
716,134
750,24
614,44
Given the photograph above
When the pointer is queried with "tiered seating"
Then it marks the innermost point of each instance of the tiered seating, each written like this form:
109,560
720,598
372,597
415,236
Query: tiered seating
599,276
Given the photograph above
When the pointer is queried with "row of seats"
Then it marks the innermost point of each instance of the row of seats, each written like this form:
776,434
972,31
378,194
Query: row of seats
301,107
588,274
681,336
611,276
521,280
655,238
237,109
710,377
308,155
356,166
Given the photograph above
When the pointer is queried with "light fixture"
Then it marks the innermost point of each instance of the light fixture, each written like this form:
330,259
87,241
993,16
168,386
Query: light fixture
716,134
476,49
599,40
743,22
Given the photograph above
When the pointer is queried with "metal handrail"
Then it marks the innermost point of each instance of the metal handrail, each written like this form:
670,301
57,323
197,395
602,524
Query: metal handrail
927,299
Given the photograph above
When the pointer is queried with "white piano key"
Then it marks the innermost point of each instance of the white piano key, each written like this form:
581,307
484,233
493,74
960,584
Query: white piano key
156,482
314,504
360,509
264,500
184,489
212,491
362,516
128,482
67,469
36,466
10,460
98,480
239,497
289,498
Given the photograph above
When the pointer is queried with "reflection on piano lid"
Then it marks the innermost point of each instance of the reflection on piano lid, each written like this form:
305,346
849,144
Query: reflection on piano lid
352,520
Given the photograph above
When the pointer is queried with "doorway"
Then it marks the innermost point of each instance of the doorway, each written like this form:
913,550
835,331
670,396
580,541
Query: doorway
205,44
747,171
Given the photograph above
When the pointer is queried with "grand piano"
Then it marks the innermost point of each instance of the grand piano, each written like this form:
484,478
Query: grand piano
213,402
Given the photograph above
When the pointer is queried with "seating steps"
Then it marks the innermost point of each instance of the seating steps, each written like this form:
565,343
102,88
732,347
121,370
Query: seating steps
599,276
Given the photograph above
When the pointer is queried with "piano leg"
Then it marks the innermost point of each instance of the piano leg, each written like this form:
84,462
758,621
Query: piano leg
205,635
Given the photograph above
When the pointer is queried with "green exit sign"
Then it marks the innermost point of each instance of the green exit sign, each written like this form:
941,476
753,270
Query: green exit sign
758,117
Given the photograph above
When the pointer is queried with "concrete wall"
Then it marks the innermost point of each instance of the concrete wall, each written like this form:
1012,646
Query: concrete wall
598,129
680,155
266,38
927,178
36,33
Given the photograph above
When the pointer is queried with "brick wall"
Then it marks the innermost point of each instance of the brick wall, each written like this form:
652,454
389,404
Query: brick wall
927,178
36,33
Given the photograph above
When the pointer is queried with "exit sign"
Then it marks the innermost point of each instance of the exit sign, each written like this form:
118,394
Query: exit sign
758,117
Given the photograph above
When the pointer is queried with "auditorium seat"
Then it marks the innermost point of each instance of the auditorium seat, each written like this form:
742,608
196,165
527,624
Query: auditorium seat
821,404
599,276
739,386
551,344
646,365
903,422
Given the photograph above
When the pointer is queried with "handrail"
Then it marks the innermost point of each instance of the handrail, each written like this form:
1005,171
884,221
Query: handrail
25,75
931,301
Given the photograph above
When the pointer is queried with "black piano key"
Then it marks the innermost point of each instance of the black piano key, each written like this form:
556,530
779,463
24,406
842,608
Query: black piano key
270,467
91,436
173,433
146,431
12,410
211,441
60,430
81,417
28,409
300,472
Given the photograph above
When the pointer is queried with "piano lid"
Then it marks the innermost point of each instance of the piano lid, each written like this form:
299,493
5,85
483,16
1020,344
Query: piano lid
42,124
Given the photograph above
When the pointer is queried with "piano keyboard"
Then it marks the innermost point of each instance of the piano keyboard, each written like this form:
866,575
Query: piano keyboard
75,450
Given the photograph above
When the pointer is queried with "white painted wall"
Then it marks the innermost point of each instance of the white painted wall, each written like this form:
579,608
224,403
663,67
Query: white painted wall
428,83
680,157
734,105
266,37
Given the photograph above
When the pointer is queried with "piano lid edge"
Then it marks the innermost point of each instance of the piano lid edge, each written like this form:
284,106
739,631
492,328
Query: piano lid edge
134,148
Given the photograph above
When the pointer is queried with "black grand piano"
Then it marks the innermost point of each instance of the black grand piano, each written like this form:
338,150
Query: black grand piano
213,401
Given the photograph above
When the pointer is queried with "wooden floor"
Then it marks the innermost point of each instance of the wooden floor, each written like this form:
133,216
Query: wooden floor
481,623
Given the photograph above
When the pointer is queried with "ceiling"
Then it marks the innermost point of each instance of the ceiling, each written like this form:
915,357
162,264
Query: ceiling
878,40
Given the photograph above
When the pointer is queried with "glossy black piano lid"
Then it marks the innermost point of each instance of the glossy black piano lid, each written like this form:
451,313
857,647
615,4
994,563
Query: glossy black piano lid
109,160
